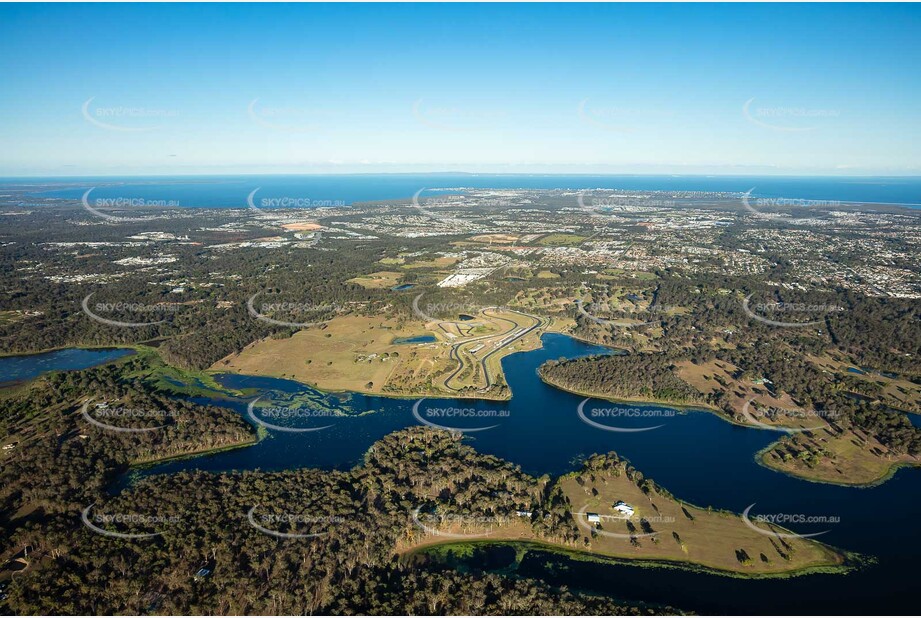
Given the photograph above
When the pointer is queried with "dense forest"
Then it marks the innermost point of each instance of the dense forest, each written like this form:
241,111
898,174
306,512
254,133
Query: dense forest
200,522
63,460
760,352
639,376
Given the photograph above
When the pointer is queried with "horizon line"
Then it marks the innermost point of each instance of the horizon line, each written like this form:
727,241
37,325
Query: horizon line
459,173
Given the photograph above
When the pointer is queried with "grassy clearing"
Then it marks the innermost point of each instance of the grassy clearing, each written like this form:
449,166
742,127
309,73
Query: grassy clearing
846,458
665,532
358,354
561,240
495,239
682,532
379,280
348,353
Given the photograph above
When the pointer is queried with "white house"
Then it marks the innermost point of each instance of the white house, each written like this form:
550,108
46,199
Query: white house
624,509
593,518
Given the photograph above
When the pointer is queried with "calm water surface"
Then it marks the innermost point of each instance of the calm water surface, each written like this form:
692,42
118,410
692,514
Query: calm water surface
232,191
19,368
695,455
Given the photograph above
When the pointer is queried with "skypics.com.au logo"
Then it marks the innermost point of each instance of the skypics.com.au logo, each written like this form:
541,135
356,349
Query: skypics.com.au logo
272,311
122,204
123,118
103,415
444,415
787,119
457,526
290,118
266,205
290,419
758,206
766,312
775,521
591,311
595,523
616,418
122,309
425,206
615,119
274,524
96,521
754,414
621,118
601,205
453,118
444,311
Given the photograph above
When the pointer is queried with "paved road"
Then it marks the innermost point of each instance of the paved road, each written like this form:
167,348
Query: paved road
455,350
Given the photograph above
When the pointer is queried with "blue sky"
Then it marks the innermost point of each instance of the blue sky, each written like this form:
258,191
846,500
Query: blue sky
714,89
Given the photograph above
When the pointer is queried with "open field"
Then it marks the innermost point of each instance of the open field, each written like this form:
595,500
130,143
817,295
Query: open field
680,532
560,240
379,280
849,457
302,226
495,238
749,396
895,391
662,529
363,354
348,353
619,273
438,262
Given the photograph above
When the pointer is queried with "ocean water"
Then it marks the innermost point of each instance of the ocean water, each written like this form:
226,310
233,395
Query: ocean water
325,190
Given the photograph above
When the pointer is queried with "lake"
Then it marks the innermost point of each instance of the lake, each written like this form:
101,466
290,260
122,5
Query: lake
416,339
29,366
695,455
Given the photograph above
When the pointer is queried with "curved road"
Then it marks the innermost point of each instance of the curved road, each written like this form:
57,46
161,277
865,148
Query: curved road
455,350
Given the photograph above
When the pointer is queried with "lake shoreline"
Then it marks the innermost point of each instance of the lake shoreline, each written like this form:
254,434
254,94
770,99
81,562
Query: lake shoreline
698,407
129,349
890,472
850,561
